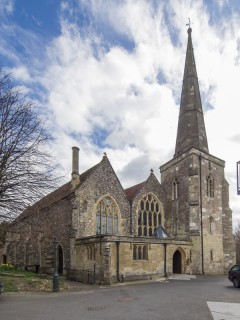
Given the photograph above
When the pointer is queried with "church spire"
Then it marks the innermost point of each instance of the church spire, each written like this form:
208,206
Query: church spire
191,128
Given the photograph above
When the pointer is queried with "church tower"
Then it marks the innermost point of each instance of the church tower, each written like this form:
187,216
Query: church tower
197,206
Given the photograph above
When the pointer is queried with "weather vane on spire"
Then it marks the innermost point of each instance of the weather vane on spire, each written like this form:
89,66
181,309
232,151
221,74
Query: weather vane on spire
189,23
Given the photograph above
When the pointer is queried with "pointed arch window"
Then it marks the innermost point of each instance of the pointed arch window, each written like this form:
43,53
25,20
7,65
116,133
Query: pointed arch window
210,186
107,216
150,215
175,189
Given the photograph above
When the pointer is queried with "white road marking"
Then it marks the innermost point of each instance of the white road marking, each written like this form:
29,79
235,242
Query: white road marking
182,277
224,311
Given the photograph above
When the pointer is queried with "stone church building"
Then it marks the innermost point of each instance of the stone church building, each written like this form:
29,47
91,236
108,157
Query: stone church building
152,229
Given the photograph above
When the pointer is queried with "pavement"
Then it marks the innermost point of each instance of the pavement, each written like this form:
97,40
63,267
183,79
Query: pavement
219,310
180,297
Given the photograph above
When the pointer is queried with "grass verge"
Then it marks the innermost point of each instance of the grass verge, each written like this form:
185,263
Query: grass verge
18,280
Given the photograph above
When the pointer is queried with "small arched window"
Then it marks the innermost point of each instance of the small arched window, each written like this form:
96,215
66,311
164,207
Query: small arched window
211,255
175,189
106,216
135,257
140,253
145,253
210,225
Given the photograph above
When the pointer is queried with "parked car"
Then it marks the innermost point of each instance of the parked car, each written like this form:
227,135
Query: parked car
1,287
234,275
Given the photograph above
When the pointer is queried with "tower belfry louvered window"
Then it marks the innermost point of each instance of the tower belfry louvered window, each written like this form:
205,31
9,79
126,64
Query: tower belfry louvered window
210,186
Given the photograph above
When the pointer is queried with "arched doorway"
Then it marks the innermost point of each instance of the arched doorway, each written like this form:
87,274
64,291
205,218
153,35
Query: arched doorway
4,259
60,260
177,262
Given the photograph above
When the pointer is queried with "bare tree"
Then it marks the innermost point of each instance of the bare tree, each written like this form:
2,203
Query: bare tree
27,171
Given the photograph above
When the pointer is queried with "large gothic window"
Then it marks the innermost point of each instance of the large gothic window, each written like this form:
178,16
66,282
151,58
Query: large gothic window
210,186
149,215
107,216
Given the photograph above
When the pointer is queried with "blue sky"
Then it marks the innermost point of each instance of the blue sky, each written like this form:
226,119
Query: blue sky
108,75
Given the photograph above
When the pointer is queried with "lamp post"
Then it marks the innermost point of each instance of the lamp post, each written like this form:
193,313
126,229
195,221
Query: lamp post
238,177
55,276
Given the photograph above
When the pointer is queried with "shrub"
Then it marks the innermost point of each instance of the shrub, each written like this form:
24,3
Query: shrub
6,267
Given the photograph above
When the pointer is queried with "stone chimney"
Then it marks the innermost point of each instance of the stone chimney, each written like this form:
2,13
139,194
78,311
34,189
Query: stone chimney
75,163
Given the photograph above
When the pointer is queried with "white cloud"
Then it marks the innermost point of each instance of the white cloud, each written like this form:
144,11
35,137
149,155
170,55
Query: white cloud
21,74
6,7
96,87
118,90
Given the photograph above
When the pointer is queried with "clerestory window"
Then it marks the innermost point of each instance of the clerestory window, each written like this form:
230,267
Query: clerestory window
107,216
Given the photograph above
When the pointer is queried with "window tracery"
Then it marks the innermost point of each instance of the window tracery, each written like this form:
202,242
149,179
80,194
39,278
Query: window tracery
149,215
107,216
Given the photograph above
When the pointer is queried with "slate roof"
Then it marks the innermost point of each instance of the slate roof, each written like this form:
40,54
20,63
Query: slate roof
132,191
160,232
55,196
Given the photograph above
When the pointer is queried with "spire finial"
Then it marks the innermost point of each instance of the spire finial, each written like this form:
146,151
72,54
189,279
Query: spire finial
105,154
151,170
189,24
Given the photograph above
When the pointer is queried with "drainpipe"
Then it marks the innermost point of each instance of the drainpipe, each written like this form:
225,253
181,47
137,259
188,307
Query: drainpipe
100,239
118,260
165,259
201,211
131,216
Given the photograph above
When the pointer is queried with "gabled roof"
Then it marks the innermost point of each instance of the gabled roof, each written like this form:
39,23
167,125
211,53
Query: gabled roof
55,196
132,191
83,176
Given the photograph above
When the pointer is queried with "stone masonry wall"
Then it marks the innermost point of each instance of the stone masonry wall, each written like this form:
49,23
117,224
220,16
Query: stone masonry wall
30,240
194,203
103,181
